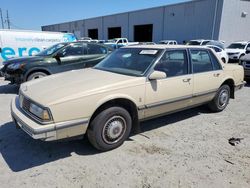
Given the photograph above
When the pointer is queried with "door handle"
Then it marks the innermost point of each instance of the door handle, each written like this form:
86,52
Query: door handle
216,74
186,80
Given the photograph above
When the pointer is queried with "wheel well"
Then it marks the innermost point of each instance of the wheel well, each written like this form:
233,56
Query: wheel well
37,70
124,103
230,83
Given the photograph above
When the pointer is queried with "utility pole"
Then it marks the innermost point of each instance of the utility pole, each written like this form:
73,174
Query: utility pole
1,14
8,20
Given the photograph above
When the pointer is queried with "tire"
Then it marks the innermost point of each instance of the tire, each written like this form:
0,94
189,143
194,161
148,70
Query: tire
110,128
221,99
36,75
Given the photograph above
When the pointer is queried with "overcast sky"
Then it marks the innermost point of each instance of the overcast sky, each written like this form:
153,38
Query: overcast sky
31,14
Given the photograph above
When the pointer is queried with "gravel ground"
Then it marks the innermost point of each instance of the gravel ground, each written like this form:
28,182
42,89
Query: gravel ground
186,149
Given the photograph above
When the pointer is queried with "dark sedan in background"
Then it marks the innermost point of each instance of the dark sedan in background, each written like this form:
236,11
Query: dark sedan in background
58,58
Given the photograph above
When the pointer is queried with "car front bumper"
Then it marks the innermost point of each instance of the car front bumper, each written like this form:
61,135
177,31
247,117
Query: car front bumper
47,132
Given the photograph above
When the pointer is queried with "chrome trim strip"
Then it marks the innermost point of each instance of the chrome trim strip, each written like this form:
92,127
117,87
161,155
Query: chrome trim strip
168,101
205,93
178,99
72,123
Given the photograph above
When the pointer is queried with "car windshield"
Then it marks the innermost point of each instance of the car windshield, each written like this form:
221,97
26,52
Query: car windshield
194,43
51,49
129,61
237,46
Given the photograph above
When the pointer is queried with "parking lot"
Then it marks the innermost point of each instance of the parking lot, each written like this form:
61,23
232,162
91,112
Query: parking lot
186,149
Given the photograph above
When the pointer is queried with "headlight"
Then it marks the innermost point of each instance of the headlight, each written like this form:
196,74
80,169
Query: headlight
38,111
15,66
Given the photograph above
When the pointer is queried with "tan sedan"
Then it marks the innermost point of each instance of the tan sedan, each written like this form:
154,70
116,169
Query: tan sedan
131,85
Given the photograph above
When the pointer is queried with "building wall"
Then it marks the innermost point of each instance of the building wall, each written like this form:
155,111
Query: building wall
117,20
183,21
234,26
193,20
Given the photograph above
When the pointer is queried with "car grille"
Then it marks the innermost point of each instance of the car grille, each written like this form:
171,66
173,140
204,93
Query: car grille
230,53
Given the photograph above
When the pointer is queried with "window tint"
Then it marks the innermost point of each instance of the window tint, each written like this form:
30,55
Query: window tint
216,64
96,49
201,61
173,63
248,46
73,50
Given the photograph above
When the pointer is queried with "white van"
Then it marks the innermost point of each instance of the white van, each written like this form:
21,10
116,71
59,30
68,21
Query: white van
18,43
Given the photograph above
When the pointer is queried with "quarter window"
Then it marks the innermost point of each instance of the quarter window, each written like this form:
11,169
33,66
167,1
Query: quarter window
201,61
173,63
217,65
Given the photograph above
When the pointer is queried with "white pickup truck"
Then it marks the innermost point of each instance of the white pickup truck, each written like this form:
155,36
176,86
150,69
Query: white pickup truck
119,42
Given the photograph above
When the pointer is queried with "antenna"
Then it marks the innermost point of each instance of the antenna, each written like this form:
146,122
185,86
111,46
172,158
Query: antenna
1,14
8,20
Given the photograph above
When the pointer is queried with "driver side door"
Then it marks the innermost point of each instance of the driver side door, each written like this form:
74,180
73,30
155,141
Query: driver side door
71,57
175,91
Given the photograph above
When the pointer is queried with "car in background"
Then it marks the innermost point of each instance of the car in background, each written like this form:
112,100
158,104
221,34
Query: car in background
58,58
245,62
133,84
168,42
198,42
220,52
236,50
119,42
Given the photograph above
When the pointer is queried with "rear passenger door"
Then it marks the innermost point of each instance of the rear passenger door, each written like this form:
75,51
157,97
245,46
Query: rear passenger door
173,92
95,53
207,75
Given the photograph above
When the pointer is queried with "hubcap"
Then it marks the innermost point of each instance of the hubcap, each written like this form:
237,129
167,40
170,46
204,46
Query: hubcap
114,129
36,77
223,98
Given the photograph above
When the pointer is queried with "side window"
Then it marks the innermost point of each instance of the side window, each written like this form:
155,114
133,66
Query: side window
216,64
96,49
173,63
201,61
119,41
72,50
248,46
216,49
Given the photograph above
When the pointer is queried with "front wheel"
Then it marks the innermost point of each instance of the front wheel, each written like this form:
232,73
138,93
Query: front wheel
221,99
110,128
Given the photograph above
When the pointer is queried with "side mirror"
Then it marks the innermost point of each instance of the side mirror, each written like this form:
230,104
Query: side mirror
157,75
58,56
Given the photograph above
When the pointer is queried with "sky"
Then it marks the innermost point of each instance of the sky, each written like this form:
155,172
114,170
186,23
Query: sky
32,14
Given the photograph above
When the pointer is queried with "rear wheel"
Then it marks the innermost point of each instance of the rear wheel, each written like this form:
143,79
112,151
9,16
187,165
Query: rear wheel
36,75
110,128
221,99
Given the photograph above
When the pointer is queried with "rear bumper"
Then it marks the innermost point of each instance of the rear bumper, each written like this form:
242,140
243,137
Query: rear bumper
48,132
247,73
240,86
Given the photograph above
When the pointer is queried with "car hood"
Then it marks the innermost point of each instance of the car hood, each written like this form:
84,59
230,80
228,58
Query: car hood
76,84
230,50
27,59
245,57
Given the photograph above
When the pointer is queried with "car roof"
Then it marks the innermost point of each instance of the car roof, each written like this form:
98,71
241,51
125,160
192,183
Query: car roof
160,46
